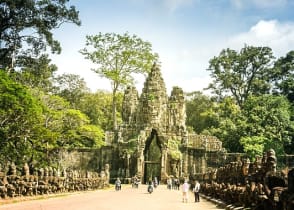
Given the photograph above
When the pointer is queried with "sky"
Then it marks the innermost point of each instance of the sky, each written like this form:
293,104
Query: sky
186,34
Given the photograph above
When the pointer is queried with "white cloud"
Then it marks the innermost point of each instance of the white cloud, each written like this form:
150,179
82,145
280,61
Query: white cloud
272,33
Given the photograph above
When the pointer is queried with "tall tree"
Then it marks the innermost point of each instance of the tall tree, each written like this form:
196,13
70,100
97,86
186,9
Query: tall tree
26,28
196,105
283,76
119,57
241,74
20,120
98,107
266,124
71,87
68,127
37,73
223,117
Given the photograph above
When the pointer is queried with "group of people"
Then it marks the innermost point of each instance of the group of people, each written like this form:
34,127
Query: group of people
185,188
195,189
173,183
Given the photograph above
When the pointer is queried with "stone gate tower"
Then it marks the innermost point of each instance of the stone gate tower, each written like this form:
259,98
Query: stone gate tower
152,140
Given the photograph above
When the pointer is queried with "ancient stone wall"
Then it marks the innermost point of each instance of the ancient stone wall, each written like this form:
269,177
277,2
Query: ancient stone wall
154,116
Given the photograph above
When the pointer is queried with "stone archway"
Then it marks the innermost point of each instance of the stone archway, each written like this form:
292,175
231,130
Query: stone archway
152,157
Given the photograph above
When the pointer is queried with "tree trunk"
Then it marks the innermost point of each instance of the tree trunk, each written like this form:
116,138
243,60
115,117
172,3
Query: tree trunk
114,109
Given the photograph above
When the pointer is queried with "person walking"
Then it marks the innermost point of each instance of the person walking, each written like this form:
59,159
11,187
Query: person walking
185,190
196,190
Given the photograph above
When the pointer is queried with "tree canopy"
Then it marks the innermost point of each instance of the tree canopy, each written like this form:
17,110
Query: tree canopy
26,28
118,58
252,112
283,76
241,74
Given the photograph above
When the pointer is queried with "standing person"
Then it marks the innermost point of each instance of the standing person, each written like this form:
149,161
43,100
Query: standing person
169,183
185,190
155,182
196,190
177,184
117,184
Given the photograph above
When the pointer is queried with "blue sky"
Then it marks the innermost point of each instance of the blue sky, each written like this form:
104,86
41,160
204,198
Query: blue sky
185,33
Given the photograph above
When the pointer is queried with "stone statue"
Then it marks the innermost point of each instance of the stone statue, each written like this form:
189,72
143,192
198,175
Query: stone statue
107,174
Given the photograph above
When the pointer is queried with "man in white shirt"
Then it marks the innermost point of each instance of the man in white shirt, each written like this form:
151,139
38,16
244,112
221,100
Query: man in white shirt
196,190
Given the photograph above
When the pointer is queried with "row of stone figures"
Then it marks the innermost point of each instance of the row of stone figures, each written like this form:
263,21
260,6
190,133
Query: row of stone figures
49,180
257,185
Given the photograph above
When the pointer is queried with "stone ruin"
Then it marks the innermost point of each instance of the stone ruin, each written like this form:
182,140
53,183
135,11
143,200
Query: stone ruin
30,181
153,140
246,185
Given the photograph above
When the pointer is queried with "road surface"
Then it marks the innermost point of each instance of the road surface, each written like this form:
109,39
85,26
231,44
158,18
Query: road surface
126,199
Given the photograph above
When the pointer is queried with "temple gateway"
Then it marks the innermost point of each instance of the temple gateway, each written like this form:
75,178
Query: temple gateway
153,141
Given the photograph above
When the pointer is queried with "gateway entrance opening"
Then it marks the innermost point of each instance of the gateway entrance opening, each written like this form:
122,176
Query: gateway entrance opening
152,157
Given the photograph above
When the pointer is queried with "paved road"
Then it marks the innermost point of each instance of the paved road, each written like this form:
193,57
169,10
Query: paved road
126,199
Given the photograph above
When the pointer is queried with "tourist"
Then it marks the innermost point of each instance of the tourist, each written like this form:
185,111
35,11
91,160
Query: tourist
169,183
155,182
176,184
196,190
185,190
117,184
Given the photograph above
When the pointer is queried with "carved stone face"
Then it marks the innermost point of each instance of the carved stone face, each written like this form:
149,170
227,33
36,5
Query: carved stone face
272,166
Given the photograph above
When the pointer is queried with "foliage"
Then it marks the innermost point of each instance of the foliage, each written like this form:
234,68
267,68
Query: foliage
253,145
174,148
26,28
77,132
266,124
197,105
71,87
36,73
34,124
224,123
97,106
283,76
119,57
241,74
20,117
91,136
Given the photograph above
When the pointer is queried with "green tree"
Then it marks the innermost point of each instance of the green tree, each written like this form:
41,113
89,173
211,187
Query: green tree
37,73
241,74
283,76
266,124
26,28
98,107
225,124
196,105
119,57
77,132
20,121
71,87
68,128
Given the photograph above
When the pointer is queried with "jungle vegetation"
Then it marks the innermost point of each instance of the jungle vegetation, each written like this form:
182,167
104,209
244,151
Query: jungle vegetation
250,108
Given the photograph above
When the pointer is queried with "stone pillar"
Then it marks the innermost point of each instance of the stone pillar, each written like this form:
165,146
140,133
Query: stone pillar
140,162
128,166
203,164
185,162
191,162
181,168
163,163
